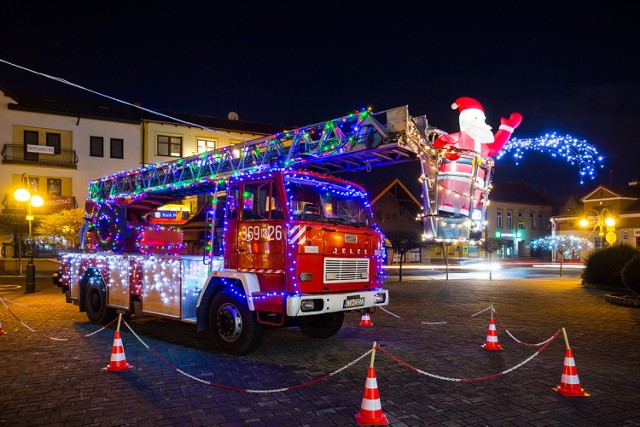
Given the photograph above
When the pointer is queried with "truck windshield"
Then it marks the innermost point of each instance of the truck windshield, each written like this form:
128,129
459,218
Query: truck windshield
314,199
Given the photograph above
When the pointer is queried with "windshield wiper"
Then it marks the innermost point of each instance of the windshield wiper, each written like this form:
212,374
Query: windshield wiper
353,222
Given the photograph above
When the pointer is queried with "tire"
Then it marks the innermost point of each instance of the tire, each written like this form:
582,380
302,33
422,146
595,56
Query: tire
96,304
234,328
322,325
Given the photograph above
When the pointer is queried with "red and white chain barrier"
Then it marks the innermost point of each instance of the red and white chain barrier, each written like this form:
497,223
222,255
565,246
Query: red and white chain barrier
48,336
244,390
514,338
544,344
468,380
442,322
467,317
11,302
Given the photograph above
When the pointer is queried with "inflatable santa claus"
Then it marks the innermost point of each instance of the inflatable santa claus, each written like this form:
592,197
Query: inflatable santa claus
460,176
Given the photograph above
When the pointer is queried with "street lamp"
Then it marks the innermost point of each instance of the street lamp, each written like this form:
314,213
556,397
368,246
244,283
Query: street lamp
22,194
602,219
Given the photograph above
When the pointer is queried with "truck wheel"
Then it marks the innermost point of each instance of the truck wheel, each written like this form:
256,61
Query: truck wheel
234,328
322,325
96,303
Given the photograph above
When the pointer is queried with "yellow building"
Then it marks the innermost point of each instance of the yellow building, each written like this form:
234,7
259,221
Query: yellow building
518,214
54,146
607,216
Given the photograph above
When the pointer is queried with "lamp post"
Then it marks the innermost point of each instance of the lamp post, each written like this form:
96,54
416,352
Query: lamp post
22,194
602,219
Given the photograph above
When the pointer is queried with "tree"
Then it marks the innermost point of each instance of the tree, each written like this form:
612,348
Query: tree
14,225
61,228
402,242
562,244
491,245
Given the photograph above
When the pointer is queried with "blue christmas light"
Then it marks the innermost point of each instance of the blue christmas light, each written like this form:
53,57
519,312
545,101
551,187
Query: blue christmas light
573,150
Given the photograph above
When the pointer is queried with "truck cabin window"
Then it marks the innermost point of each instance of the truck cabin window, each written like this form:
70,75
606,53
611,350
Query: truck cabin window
260,201
325,201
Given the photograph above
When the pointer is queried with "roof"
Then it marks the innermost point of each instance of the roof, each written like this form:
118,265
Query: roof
519,193
380,188
43,98
632,192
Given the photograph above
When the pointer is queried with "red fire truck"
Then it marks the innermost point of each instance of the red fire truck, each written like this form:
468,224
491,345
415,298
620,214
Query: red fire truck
276,239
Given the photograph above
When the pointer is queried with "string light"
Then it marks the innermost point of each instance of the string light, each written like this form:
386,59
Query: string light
562,243
573,150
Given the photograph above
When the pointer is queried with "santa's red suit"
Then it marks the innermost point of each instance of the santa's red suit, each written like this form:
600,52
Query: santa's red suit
475,135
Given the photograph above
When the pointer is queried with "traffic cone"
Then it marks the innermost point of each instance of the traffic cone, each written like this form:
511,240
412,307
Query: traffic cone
366,320
492,337
118,360
569,382
371,409
2,332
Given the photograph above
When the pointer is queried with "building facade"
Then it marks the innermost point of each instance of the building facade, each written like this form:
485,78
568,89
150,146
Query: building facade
518,214
395,210
622,205
55,146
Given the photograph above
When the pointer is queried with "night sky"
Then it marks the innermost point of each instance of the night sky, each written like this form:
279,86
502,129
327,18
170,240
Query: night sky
567,66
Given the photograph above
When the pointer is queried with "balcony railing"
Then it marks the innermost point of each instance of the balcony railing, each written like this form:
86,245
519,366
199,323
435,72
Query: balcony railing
15,153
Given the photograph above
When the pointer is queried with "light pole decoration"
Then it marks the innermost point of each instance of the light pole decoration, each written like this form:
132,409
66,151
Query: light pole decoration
23,194
604,218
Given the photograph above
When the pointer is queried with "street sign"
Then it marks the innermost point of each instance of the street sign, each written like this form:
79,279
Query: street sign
42,149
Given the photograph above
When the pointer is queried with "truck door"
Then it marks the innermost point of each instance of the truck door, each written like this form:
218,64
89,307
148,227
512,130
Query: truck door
261,228
231,227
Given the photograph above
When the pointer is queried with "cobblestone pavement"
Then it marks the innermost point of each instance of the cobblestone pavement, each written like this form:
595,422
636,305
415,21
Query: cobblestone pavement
47,382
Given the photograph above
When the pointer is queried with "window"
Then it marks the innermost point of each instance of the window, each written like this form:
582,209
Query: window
499,218
96,146
509,219
532,220
260,201
117,148
34,183
169,146
53,140
205,145
30,138
54,187
540,221
521,220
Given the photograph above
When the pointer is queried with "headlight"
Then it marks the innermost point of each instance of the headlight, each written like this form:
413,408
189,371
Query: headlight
381,297
306,277
311,305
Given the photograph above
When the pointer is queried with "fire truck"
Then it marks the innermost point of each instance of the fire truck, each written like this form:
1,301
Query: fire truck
277,239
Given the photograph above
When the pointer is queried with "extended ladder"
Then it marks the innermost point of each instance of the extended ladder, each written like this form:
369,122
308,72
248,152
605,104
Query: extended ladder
358,141
361,140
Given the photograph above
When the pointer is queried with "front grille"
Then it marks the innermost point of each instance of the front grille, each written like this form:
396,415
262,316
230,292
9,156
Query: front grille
338,270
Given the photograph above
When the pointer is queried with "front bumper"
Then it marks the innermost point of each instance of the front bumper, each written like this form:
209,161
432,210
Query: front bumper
332,303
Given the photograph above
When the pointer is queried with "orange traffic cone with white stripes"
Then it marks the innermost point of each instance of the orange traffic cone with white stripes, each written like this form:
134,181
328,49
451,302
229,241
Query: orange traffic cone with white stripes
118,360
569,382
371,409
366,320
2,332
492,336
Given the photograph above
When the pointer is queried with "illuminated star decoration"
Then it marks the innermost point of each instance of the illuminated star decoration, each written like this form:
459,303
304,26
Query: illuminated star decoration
573,150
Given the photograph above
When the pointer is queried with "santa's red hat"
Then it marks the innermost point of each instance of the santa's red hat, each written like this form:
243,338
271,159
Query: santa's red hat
465,102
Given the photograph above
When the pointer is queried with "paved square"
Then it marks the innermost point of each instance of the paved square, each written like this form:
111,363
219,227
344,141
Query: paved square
52,382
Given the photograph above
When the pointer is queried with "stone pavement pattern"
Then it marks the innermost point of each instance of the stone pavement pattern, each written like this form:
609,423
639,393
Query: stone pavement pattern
48,382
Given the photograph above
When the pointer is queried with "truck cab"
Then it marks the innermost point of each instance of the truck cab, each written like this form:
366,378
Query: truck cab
301,247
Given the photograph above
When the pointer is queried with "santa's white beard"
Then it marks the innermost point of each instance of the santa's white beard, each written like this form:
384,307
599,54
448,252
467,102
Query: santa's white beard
480,134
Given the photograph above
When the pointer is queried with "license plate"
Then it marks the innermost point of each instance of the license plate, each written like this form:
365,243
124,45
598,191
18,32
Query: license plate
351,302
